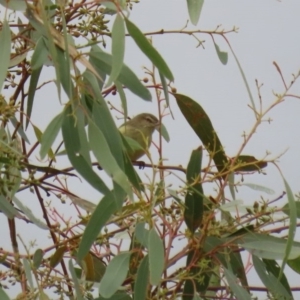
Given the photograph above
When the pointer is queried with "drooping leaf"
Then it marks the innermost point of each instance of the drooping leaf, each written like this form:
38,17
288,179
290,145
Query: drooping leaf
146,47
142,278
34,78
40,54
156,257
193,212
114,275
100,216
266,246
270,281
94,268
103,62
286,209
38,258
194,8
50,134
201,124
5,45
105,158
294,264
73,148
165,88
7,208
223,56
118,48
78,290
57,257
292,227
273,267
238,291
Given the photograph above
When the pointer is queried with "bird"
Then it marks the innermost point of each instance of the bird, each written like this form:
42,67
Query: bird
138,132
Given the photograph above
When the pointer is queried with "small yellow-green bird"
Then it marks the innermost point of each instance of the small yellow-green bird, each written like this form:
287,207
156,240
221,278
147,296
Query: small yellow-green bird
140,130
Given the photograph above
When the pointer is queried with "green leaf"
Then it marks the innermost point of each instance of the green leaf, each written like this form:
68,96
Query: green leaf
146,47
248,163
73,148
273,267
103,120
245,81
16,5
118,48
132,174
122,97
103,61
117,296
58,256
201,124
199,276
270,281
3,295
223,56
105,158
63,65
238,291
142,234
34,78
231,185
100,216
164,133
165,88
50,134
194,8
266,246
7,208
156,257
38,133
293,224
40,54
294,264
114,275
75,281
27,269
28,213
258,187
5,45
286,209
142,278
38,258
193,212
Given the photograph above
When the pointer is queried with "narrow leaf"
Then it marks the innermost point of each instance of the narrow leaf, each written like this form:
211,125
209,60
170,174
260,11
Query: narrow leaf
34,78
5,47
193,212
141,282
105,158
76,283
50,134
118,48
156,257
72,144
201,124
238,291
194,8
100,216
223,56
103,61
114,275
148,49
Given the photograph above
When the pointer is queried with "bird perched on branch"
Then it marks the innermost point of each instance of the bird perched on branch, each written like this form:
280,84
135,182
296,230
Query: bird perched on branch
138,132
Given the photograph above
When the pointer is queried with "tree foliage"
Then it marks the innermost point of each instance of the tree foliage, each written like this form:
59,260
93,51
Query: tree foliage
143,239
